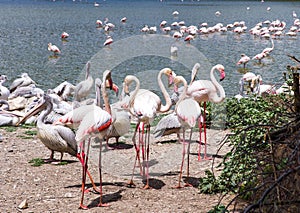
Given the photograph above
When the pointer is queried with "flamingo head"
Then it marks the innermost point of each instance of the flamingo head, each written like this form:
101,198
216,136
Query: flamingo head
107,79
170,74
221,69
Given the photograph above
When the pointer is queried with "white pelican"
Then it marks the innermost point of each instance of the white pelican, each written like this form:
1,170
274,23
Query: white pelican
83,88
4,91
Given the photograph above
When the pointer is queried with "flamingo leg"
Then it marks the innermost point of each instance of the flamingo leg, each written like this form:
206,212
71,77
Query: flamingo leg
182,161
147,144
101,204
188,160
200,138
84,171
81,156
137,157
205,139
142,142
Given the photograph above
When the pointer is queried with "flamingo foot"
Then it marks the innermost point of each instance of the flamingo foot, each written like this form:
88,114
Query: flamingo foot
188,185
147,186
207,158
131,184
103,205
177,187
83,207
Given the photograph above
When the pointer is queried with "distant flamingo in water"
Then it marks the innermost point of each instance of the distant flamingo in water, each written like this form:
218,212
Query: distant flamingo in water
243,60
53,48
203,91
144,105
188,112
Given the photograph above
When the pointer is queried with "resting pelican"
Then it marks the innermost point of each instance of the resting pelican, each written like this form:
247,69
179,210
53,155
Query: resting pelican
55,138
83,88
25,80
4,91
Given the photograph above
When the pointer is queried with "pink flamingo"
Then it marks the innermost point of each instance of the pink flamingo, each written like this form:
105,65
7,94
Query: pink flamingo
96,122
64,35
144,105
108,41
188,112
205,90
243,60
53,48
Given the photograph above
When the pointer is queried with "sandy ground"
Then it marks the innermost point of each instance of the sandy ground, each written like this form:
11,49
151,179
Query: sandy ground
57,188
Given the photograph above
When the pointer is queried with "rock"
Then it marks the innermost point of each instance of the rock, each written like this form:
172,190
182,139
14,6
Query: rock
23,204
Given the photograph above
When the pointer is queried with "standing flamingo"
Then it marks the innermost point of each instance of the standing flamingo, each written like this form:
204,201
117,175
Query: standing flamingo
243,60
120,118
96,122
268,50
205,90
53,48
188,112
144,105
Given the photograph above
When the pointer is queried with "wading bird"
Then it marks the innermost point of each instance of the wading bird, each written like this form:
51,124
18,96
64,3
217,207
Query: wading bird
144,105
53,48
203,91
188,112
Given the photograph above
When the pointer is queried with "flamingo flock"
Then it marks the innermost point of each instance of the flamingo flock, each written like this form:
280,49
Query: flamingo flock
68,127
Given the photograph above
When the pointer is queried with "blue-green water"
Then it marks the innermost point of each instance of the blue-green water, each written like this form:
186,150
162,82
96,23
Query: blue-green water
28,26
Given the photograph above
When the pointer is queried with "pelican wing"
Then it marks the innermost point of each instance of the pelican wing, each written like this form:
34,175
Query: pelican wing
68,136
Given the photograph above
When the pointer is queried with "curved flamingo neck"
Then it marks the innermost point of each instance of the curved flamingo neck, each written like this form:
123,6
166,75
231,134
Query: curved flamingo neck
214,96
167,106
105,95
135,91
184,92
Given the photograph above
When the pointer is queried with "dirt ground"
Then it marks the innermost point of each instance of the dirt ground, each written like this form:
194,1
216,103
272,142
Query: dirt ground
57,188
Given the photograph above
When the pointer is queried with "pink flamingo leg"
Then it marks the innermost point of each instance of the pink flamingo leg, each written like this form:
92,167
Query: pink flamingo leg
81,156
84,171
147,144
200,138
205,141
188,160
182,161
101,204
137,157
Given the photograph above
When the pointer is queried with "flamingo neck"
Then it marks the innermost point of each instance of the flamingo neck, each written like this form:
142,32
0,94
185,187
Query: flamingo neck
184,92
167,106
214,96
105,96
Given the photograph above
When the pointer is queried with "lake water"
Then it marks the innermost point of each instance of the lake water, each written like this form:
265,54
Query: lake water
28,26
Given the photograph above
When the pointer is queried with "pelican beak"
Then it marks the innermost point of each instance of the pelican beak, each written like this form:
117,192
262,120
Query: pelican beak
39,107
222,75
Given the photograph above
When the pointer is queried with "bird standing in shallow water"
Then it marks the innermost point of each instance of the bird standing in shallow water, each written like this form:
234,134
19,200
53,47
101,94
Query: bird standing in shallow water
53,48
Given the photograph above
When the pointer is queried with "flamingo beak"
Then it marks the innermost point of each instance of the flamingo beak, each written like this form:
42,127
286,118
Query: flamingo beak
115,88
222,75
